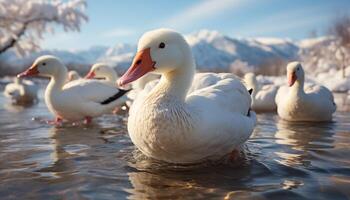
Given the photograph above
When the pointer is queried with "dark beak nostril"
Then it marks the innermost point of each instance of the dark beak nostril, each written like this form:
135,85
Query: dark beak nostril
138,62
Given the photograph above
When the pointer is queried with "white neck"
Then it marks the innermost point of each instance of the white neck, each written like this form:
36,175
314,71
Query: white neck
177,83
18,80
57,81
298,87
256,88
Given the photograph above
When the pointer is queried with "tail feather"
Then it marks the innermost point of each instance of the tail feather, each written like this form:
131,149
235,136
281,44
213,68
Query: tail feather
114,97
250,91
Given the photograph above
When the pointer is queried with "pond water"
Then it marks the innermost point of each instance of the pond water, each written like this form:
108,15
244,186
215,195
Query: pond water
280,160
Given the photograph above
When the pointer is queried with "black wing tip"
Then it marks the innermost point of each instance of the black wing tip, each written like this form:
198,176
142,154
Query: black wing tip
250,91
120,93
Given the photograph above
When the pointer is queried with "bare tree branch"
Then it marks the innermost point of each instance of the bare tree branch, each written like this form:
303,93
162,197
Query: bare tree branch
12,41
23,23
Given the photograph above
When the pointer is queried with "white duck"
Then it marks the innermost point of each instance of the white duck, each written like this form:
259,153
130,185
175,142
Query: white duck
104,72
263,97
21,91
72,76
175,126
107,75
76,100
296,103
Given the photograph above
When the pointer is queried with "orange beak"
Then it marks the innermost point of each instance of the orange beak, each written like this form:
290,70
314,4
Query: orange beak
90,75
141,65
32,71
291,79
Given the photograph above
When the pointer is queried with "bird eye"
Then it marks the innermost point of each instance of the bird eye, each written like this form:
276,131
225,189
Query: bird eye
44,64
161,45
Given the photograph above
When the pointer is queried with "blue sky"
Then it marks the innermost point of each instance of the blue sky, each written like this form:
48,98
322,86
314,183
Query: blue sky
120,21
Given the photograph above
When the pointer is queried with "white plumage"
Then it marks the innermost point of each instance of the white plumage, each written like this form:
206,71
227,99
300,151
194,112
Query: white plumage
174,125
72,76
105,73
21,91
146,83
299,103
76,100
263,96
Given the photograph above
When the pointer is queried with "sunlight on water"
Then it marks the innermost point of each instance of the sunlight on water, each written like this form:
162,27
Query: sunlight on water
300,160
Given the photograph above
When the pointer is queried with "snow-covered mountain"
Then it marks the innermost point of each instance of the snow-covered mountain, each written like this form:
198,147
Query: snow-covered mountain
119,56
84,57
212,51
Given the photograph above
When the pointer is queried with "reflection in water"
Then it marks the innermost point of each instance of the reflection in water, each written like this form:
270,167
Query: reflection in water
300,137
158,180
321,149
298,161
15,108
343,101
64,149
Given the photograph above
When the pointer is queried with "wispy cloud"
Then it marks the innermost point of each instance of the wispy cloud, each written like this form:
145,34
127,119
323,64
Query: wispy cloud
285,21
118,32
201,11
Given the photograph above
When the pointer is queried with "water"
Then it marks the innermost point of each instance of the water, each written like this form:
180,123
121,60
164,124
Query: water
281,160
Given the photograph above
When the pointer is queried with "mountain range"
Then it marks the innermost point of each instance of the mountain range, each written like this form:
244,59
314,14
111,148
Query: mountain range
212,50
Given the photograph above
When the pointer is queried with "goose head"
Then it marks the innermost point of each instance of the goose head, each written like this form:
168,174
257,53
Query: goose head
46,66
160,51
100,71
73,75
295,73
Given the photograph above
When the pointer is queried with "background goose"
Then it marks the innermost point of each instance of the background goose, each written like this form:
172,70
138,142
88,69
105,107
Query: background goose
104,72
107,75
76,100
72,76
296,103
21,91
172,125
263,96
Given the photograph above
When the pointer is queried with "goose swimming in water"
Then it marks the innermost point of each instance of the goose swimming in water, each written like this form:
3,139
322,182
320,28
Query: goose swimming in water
263,96
21,91
298,103
169,123
76,100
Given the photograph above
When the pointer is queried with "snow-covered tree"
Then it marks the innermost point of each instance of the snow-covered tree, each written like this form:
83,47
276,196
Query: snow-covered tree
240,67
341,29
24,22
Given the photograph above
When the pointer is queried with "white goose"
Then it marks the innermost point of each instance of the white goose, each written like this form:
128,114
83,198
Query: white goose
76,100
175,126
107,75
296,103
104,72
263,97
21,91
72,76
